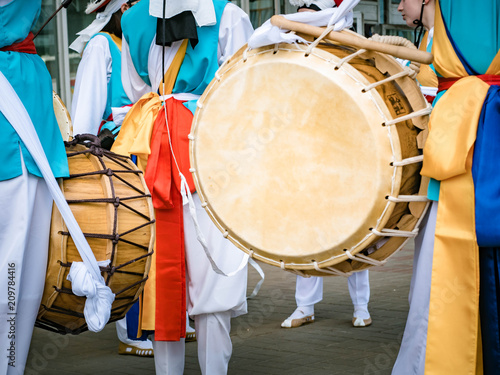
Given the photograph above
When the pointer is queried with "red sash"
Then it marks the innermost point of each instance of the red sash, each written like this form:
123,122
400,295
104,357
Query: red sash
26,46
446,83
162,178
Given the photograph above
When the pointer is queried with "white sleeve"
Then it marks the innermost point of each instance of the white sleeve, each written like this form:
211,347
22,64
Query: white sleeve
235,30
133,85
91,87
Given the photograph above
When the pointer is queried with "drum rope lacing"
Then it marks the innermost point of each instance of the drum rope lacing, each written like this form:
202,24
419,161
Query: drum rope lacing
385,232
87,280
115,238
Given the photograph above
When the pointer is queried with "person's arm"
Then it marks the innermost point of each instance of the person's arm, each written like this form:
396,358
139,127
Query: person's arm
235,30
91,87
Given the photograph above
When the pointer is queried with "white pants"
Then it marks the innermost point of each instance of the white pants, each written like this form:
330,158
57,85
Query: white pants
411,357
309,290
214,347
212,299
26,208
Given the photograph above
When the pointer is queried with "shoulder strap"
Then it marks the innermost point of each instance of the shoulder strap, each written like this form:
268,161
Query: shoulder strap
170,77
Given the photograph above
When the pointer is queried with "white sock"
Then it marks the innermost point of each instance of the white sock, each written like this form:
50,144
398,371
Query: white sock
302,311
361,311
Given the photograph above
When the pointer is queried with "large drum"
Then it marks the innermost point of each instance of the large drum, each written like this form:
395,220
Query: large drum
110,201
309,159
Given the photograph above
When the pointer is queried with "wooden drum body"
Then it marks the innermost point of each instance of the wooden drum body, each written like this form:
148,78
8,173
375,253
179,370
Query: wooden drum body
297,158
112,205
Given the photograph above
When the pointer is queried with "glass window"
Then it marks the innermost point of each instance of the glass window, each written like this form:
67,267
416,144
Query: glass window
46,41
260,11
77,21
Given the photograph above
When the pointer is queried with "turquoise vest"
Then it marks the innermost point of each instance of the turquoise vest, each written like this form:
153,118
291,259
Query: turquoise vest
116,94
200,63
478,45
30,79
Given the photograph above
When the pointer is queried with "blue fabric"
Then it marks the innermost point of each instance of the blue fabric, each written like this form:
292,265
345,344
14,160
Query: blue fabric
486,171
132,318
489,307
139,30
31,81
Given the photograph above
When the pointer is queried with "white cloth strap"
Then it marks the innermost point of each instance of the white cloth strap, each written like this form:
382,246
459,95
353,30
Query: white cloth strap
14,111
257,268
96,26
184,96
268,34
187,198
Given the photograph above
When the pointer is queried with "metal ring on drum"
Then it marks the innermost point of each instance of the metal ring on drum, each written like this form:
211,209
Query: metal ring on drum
309,159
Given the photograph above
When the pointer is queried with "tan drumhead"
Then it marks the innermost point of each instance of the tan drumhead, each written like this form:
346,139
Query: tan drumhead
291,158
63,118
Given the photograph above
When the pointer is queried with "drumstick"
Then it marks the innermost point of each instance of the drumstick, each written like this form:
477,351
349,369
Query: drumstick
351,40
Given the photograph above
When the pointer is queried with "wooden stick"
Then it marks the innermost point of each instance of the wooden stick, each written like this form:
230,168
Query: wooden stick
351,40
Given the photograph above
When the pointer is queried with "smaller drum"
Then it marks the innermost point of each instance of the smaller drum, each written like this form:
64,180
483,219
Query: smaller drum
111,202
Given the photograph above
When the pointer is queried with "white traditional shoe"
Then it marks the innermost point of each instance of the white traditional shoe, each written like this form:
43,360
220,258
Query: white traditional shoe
190,334
297,319
138,348
359,322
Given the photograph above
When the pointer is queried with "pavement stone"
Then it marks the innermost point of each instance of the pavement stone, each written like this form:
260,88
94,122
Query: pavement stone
330,346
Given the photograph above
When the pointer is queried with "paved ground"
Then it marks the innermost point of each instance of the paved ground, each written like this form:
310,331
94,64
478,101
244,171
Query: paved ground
329,346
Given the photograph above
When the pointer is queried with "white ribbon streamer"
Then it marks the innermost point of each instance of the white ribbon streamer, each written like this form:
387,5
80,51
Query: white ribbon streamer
203,10
268,34
257,268
15,112
101,19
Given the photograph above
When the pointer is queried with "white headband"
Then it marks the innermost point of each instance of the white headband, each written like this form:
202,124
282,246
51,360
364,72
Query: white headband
101,19
203,10
321,4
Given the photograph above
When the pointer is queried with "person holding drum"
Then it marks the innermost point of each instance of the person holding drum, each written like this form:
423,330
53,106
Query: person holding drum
453,318
418,15
26,203
425,21
99,102
309,291
174,49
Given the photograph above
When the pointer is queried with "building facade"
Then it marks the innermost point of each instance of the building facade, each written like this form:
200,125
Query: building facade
370,17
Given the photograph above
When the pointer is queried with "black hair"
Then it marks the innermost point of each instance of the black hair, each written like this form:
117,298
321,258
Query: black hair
114,25
312,7
419,29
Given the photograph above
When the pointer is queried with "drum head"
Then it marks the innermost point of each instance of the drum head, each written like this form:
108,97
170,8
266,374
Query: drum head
291,159
62,117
